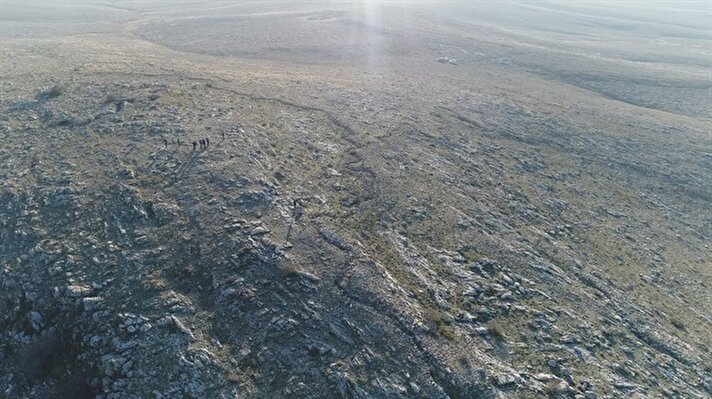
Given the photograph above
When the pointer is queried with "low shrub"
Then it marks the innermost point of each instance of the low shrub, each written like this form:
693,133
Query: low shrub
36,359
52,92
76,387
496,333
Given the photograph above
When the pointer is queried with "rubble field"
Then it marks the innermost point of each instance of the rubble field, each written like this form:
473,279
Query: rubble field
396,201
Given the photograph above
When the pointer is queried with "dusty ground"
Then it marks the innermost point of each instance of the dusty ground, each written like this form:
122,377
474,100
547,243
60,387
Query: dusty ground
398,200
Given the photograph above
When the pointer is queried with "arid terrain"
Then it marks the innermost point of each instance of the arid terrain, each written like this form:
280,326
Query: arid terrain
398,199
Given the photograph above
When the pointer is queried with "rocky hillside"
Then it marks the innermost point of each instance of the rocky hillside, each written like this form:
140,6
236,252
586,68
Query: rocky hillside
464,229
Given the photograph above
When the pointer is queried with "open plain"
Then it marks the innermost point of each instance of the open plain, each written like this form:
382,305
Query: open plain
398,199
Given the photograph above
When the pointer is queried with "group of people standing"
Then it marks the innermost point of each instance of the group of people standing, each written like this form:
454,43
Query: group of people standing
204,143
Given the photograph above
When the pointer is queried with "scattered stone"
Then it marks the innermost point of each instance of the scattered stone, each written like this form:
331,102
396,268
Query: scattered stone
259,230
35,320
182,328
446,60
91,303
503,380
77,291
339,332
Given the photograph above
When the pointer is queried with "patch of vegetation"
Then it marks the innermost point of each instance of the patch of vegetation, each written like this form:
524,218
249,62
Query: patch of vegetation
36,359
110,99
438,324
76,386
496,332
554,388
678,324
288,268
471,254
446,331
50,93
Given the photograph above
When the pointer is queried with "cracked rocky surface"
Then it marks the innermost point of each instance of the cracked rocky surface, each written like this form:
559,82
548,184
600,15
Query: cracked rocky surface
395,235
